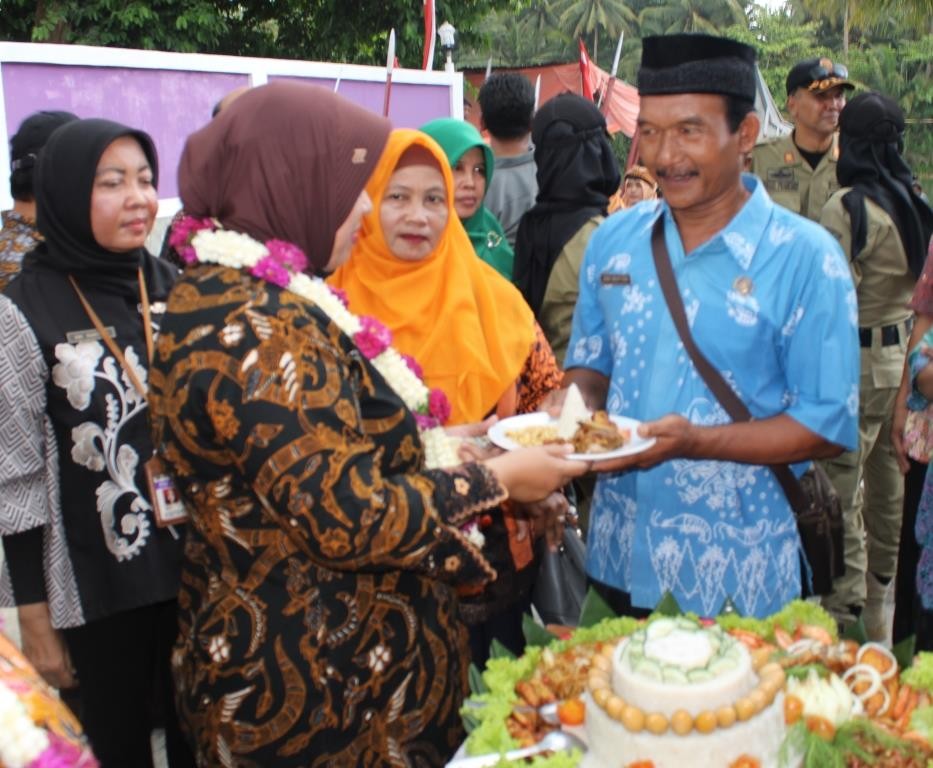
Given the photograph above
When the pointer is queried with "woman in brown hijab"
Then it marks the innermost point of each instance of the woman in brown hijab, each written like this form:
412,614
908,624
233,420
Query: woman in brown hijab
317,615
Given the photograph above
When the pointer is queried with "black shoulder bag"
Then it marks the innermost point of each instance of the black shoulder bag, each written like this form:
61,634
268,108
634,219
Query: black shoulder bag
813,499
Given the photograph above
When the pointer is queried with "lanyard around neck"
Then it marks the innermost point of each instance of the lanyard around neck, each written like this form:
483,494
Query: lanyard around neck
108,339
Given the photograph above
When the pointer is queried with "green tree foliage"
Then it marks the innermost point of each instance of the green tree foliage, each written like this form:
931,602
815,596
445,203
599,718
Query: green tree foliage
329,30
194,25
780,41
891,47
585,18
709,16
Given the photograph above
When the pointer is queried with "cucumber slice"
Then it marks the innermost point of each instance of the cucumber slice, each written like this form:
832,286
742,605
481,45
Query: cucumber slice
699,675
722,665
674,675
661,628
648,668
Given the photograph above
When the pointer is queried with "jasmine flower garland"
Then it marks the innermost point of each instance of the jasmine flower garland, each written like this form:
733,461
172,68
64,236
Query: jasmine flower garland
27,745
283,264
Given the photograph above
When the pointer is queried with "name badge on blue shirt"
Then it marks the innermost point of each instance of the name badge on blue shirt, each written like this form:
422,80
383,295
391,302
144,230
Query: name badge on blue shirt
615,278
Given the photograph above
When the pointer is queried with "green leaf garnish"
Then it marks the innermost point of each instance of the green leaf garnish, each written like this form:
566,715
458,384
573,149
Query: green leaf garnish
668,606
594,609
476,680
535,634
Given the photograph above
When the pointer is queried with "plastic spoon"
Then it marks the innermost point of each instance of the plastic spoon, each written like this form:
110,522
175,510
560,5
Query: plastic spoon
555,741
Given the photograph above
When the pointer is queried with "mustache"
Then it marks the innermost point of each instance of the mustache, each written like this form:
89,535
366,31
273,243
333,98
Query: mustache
665,173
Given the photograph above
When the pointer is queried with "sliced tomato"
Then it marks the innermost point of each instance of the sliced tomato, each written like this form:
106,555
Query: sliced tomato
571,712
820,726
793,709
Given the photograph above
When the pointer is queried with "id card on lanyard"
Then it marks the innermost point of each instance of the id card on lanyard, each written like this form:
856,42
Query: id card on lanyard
167,505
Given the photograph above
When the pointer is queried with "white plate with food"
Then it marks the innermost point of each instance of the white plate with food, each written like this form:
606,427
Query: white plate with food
541,428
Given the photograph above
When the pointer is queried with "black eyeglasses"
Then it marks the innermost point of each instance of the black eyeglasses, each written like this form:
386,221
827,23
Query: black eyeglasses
820,71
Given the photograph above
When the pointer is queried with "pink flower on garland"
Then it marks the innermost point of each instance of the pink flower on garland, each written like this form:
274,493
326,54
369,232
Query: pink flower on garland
183,233
61,754
341,295
424,421
373,338
288,255
439,405
413,366
272,271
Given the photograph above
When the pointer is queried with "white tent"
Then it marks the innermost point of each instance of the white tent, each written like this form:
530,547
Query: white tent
772,122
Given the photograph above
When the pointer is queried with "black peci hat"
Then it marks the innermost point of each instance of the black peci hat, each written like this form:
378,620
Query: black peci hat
691,63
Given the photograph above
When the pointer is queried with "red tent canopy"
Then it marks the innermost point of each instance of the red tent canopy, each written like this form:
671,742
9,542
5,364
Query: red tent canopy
621,110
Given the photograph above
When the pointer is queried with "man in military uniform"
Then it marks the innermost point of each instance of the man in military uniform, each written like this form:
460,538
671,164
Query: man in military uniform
883,227
799,170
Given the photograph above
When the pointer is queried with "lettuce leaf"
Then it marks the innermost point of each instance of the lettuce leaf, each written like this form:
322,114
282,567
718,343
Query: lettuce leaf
490,710
922,721
920,674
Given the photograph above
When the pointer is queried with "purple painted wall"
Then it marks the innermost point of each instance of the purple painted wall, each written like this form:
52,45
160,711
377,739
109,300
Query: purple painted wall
167,104
171,104
410,104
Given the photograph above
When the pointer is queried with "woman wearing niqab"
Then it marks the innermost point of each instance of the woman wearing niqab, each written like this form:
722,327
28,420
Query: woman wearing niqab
884,229
577,174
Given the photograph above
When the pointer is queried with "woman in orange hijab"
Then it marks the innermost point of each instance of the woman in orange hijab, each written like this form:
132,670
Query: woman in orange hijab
414,269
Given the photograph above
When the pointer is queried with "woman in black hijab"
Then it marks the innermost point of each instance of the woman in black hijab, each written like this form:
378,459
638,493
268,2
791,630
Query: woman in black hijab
93,572
577,174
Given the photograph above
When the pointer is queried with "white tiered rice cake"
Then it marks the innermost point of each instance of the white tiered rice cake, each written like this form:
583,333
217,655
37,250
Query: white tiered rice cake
678,672
612,746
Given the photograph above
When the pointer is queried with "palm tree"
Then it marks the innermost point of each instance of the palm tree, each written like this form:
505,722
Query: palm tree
865,15
516,40
539,18
587,17
672,16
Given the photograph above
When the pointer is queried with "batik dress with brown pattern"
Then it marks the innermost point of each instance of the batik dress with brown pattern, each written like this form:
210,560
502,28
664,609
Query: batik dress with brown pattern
320,630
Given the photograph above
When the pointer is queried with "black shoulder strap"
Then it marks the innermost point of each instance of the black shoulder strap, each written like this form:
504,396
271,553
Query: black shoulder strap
727,397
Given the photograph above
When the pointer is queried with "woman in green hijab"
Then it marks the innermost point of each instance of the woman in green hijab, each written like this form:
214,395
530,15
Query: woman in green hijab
472,162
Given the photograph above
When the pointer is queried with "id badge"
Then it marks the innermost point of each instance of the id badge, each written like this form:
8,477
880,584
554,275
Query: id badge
167,505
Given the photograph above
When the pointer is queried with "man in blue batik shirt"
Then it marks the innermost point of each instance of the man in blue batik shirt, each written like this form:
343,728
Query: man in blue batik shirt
770,303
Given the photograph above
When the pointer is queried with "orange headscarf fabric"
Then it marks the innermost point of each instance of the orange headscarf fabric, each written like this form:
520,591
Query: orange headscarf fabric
467,326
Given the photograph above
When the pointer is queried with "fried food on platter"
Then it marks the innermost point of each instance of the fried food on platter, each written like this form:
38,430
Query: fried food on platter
528,437
599,434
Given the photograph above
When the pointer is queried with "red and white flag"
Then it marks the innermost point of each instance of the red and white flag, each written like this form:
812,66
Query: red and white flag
430,34
585,72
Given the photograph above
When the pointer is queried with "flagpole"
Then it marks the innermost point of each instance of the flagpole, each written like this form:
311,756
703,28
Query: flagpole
430,24
632,158
584,70
604,98
390,62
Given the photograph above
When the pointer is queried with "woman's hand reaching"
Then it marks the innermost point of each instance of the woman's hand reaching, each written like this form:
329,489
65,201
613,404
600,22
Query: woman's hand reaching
531,474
